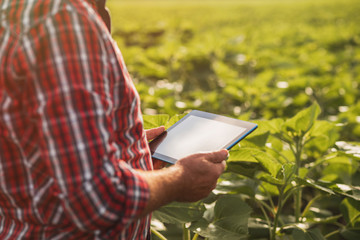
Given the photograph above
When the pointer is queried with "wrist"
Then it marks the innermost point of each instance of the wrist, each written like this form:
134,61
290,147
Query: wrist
165,186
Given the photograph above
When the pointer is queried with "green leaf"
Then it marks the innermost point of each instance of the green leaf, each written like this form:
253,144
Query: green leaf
326,128
350,208
350,149
270,164
174,119
304,120
258,229
312,234
257,140
322,220
180,212
243,186
350,234
243,155
288,171
332,188
231,218
274,126
346,190
263,176
321,137
341,166
247,169
269,185
313,184
153,121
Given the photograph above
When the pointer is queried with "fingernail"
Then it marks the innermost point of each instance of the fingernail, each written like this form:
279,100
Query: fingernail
228,154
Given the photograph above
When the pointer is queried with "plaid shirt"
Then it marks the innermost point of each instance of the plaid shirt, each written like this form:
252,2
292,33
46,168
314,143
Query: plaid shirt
71,131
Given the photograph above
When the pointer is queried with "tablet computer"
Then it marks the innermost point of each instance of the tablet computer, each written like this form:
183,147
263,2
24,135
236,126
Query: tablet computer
199,132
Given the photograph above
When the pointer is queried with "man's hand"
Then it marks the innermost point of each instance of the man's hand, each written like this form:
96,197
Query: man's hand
190,179
150,135
153,133
199,174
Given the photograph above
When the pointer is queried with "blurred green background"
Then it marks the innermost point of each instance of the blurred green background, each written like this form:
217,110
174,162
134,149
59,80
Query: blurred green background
256,60
253,59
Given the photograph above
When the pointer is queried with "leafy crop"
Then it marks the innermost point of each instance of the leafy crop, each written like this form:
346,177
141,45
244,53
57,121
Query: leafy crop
286,179
291,66
254,59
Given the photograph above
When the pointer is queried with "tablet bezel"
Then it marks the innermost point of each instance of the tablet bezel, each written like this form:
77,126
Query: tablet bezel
249,126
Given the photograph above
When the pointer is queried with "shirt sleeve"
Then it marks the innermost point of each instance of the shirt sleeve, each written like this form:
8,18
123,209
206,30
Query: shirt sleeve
72,103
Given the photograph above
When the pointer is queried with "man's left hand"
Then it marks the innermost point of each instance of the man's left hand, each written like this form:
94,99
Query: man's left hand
153,133
150,135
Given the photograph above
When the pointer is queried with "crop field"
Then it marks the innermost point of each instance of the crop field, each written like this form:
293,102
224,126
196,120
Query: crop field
293,67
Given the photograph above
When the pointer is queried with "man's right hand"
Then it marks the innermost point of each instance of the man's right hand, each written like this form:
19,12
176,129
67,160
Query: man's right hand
199,174
190,179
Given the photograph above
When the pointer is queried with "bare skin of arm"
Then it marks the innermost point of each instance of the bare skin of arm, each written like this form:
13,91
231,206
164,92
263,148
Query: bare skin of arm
190,179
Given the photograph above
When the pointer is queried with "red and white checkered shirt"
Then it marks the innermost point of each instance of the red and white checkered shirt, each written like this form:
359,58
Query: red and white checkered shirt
71,131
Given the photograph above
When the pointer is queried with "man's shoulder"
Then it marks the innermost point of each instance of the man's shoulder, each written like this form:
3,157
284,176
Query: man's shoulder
21,16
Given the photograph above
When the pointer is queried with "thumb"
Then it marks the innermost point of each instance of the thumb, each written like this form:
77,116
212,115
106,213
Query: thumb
218,156
153,133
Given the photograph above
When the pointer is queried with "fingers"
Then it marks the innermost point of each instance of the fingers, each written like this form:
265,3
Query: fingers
153,133
218,156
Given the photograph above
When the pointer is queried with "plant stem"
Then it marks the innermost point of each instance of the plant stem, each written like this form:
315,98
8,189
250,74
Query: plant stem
298,192
277,215
297,197
186,233
195,236
332,233
266,216
269,197
157,234
308,206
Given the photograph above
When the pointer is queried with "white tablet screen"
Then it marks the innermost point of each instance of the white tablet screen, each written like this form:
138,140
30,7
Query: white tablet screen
196,134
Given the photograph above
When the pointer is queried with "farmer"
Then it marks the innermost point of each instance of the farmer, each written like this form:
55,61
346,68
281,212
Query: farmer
74,157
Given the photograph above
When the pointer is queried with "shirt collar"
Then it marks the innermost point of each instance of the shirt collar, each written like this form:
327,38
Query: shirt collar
92,3
100,8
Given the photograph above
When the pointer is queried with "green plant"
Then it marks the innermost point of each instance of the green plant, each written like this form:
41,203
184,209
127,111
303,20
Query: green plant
276,184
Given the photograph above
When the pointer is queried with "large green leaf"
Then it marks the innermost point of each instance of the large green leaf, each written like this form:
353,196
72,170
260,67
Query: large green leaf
332,188
303,234
304,120
350,149
258,229
231,216
266,177
174,119
343,167
236,186
180,212
270,164
313,184
153,121
351,234
258,138
243,155
247,169
350,208
322,136
345,190
274,126
325,128
287,171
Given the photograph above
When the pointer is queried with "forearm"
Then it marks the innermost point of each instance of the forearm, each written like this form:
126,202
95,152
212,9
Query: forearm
190,179
164,186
